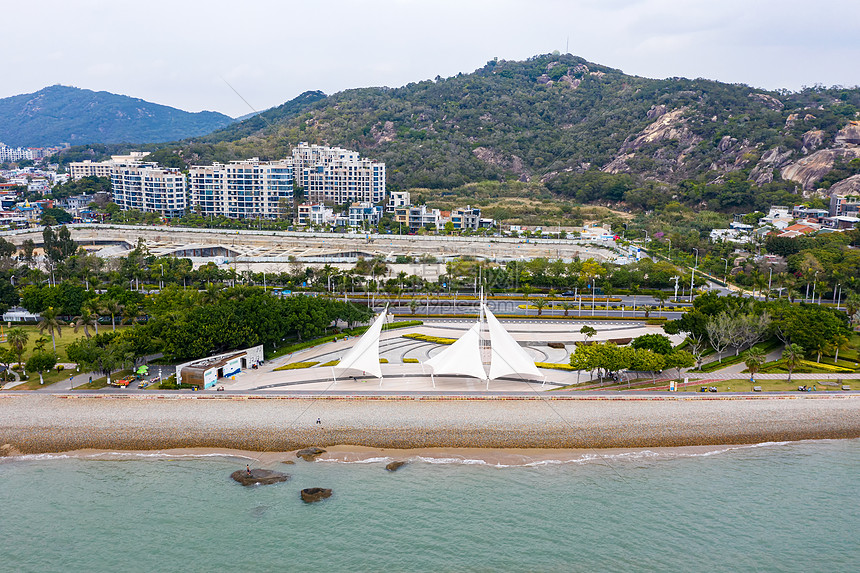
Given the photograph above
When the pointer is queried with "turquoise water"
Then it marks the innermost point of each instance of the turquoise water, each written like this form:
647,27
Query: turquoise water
775,507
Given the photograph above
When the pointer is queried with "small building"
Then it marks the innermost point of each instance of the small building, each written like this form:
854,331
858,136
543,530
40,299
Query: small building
20,314
206,372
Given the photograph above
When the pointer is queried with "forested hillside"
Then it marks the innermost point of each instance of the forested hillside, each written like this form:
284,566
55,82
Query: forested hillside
581,129
63,114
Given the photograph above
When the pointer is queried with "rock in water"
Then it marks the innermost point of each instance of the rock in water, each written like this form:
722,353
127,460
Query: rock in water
309,454
258,476
394,466
289,462
313,494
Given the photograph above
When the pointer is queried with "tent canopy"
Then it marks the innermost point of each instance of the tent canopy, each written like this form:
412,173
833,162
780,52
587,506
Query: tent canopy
364,356
508,357
462,357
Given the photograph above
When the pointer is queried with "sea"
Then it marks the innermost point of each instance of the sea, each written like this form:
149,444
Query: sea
767,507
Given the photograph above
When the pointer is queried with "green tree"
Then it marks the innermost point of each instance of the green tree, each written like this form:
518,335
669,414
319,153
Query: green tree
41,362
50,321
679,359
7,357
113,308
17,338
658,343
792,354
755,358
540,304
587,332
86,320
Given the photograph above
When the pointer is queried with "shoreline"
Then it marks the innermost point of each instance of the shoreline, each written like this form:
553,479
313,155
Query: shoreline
350,454
33,424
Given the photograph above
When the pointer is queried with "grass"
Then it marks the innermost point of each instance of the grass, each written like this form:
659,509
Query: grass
51,377
743,385
766,347
63,340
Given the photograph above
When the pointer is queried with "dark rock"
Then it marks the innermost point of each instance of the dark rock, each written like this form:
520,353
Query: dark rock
259,477
394,466
289,462
309,454
312,494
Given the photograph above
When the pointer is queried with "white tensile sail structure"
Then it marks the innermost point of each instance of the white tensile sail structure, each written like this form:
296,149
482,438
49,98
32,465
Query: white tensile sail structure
507,357
463,357
364,356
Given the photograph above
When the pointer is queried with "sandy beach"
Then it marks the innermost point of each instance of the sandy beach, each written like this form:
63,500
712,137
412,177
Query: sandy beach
47,423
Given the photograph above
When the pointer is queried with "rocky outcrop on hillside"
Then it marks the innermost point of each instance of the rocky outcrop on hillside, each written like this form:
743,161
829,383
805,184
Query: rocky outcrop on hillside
850,134
512,163
810,169
850,186
812,140
773,158
768,100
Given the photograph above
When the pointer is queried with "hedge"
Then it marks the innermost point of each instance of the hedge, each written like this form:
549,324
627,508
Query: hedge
410,361
554,366
428,338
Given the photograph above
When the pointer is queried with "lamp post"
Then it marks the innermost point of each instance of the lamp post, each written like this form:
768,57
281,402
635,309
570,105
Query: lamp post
814,280
693,274
161,283
726,272
769,278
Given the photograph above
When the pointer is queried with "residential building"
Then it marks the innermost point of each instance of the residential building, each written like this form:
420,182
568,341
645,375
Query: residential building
149,188
364,213
419,217
336,175
844,204
398,199
804,212
316,214
14,154
466,218
87,168
249,189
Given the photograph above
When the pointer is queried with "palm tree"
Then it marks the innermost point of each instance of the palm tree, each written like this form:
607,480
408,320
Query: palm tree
792,355
132,313
49,321
566,306
839,342
17,338
40,343
112,308
93,307
755,358
85,321
539,305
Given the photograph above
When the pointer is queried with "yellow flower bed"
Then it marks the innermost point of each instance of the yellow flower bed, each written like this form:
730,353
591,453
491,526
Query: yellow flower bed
296,366
329,363
554,366
828,367
433,339
410,361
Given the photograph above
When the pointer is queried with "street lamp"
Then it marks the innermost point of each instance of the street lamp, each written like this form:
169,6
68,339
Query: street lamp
726,272
161,283
693,274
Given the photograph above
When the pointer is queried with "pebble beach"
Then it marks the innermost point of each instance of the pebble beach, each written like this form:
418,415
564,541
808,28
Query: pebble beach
32,423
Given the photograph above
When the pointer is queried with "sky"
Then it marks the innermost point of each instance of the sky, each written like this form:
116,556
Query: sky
184,53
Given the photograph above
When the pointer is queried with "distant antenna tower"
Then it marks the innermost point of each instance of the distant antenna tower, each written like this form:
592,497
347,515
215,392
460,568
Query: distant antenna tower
567,46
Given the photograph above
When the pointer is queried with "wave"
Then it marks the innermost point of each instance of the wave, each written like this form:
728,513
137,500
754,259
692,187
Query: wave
125,456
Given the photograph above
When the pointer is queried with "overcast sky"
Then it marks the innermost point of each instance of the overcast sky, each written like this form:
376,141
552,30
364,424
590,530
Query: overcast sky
177,52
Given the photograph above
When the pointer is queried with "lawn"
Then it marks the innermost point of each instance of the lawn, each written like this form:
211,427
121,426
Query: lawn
743,385
63,340
50,377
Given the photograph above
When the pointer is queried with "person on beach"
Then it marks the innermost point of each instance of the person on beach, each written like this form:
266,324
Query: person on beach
248,468
319,422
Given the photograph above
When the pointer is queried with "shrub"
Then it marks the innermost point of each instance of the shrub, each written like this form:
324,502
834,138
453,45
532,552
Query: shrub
383,360
60,367
559,345
427,338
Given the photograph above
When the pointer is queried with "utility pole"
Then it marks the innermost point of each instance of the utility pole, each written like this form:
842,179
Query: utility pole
693,274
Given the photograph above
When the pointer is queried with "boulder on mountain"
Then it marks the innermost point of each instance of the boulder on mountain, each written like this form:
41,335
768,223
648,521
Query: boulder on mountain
849,186
812,140
656,111
768,100
310,454
810,169
849,135
312,494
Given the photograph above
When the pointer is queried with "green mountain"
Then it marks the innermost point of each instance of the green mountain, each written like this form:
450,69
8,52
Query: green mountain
62,114
577,128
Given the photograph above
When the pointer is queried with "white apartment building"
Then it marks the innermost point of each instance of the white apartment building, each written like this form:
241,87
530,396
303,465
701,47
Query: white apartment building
250,189
316,214
365,212
336,175
398,199
87,168
148,188
14,154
